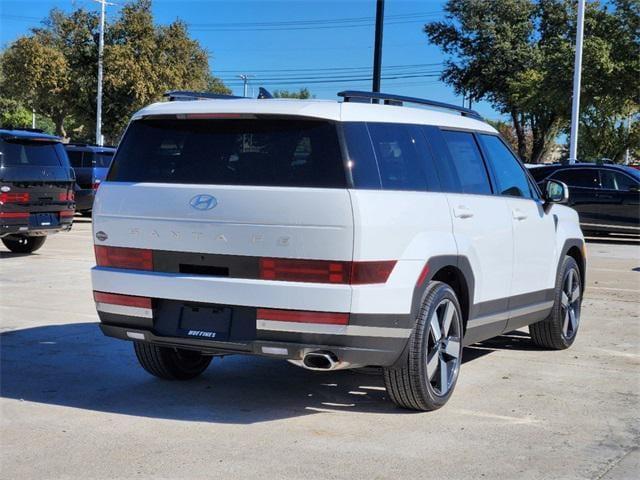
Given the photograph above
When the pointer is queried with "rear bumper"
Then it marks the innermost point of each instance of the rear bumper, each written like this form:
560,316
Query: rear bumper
355,355
24,227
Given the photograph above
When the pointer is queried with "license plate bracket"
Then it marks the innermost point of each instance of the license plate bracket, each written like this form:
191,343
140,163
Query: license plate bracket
213,322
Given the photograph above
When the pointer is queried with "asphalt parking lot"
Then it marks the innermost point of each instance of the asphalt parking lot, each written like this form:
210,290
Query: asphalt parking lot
75,404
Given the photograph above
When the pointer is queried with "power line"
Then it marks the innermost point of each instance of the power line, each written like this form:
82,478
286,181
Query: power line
367,68
334,80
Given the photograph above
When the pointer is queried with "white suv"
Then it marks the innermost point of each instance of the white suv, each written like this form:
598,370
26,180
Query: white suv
331,234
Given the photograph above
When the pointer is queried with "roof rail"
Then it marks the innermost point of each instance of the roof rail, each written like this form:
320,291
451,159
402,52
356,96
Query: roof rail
174,95
389,99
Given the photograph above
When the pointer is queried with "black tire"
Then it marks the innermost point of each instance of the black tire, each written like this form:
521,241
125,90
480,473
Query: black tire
171,363
23,244
86,213
558,331
409,384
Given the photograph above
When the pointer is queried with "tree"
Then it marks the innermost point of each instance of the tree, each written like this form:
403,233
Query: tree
141,62
37,75
12,114
518,55
303,94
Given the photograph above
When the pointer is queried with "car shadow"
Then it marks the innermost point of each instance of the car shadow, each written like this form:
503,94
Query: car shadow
8,254
74,365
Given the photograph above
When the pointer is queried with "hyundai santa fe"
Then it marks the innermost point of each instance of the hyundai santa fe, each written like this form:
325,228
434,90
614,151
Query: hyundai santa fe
36,189
331,234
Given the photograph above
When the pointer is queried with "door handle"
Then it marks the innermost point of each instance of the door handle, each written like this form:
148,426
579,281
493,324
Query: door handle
462,211
604,196
519,214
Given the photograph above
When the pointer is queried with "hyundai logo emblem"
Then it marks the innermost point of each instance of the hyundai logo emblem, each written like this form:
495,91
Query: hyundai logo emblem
203,202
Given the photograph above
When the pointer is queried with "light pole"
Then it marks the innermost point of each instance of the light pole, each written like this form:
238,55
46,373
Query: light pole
377,51
103,4
577,72
245,78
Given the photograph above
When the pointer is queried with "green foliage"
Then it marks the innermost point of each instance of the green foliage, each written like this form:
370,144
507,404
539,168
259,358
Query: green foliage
303,94
54,69
12,114
518,55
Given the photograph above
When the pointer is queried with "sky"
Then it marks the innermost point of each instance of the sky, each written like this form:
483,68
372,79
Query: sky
289,44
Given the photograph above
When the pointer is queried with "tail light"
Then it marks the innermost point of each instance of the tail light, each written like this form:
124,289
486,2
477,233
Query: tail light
14,198
96,184
298,316
68,196
292,270
14,214
67,213
363,273
120,257
123,300
321,271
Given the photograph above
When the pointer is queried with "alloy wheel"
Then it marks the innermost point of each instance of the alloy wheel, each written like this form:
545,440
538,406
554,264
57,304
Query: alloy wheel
444,349
570,304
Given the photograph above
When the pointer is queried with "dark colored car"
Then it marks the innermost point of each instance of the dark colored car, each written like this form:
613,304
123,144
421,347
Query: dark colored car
36,189
607,197
91,163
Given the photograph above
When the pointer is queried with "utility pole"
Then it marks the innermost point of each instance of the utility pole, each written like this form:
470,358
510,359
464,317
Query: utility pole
33,120
377,51
103,4
577,72
245,78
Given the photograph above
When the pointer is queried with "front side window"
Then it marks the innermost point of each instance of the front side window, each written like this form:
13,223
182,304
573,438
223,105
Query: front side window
468,162
510,177
262,152
578,177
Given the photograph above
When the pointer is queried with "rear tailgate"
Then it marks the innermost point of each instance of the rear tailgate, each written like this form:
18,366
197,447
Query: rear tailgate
212,198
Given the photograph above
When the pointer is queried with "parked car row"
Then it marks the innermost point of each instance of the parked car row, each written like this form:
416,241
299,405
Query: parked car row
332,235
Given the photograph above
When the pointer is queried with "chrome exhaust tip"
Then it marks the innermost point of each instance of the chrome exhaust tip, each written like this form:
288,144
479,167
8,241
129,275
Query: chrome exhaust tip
320,361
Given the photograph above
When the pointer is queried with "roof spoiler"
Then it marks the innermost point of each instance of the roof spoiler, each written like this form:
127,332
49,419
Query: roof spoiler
399,100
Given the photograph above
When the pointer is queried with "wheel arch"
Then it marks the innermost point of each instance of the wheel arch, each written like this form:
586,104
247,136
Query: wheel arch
574,248
455,271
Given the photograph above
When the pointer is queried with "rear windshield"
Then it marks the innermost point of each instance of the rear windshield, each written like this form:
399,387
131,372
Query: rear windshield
261,152
28,153
102,159
82,159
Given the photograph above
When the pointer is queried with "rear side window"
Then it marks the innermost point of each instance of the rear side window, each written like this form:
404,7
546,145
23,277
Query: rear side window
578,177
261,152
468,162
510,177
27,153
403,157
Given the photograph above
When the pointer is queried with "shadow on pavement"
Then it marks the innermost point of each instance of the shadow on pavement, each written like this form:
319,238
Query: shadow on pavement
74,365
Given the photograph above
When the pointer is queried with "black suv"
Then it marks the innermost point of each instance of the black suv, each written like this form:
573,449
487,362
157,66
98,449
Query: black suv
90,163
36,189
606,197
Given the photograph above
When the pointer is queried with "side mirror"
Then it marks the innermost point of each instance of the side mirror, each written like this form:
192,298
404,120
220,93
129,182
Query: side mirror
634,188
556,192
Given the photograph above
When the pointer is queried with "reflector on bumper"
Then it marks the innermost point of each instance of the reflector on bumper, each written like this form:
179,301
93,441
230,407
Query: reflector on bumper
123,304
